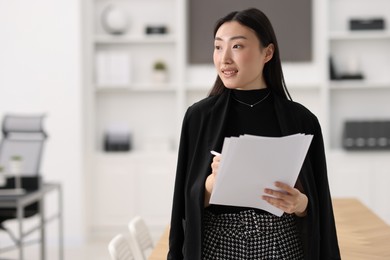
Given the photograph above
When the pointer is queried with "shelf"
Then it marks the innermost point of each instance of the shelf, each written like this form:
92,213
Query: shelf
339,153
147,87
360,35
100,155
135,39
358,84
198,87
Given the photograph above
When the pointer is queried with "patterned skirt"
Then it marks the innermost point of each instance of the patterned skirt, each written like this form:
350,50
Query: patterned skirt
250,235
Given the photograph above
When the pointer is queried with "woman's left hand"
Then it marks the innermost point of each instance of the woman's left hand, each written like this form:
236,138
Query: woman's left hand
289,199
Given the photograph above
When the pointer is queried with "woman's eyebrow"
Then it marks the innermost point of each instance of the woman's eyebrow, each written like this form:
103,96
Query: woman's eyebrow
231,38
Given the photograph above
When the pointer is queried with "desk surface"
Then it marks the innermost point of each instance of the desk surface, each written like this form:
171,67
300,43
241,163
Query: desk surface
20,202
362,235
28,197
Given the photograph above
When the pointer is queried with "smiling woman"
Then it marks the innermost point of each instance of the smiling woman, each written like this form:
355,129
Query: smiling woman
249,97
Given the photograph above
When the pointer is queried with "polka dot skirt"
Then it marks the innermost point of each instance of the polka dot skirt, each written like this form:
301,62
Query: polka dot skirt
249,235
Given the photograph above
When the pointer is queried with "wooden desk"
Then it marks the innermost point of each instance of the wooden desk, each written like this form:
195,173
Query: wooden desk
160,251
362,235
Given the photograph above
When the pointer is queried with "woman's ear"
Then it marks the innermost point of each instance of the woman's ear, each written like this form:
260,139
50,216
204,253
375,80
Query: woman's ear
269,52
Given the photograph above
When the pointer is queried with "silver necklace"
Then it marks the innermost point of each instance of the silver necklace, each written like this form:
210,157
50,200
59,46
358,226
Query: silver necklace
254,104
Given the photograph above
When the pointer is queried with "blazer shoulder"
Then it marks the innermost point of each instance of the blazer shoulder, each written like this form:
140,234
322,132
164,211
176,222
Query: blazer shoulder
300,114
298,109
202,106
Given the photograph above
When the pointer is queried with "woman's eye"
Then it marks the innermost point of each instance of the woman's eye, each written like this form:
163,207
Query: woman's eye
217,47
237,46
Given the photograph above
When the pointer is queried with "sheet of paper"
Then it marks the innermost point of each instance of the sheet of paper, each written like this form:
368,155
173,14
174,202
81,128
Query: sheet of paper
249,164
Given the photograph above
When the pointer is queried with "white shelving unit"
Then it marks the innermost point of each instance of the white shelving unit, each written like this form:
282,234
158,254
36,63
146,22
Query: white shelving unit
359,174
121,185
368,51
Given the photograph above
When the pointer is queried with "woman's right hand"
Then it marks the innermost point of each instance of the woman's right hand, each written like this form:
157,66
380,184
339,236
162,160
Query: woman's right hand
209,184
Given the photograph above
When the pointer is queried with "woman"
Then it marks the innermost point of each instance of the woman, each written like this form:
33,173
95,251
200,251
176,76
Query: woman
249,97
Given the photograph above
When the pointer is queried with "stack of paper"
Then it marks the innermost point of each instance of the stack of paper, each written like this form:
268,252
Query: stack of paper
249,164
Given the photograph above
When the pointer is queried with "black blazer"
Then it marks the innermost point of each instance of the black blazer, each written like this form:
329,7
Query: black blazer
202,131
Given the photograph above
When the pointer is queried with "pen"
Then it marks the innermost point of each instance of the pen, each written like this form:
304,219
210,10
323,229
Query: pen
215,153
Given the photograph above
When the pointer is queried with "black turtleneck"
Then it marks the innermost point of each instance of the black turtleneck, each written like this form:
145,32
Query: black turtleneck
243,119
257,120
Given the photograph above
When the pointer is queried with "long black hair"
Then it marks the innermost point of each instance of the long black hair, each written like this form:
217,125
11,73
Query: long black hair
260,24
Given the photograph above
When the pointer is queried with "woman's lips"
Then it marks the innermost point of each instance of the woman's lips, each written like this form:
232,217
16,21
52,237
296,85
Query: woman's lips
229,72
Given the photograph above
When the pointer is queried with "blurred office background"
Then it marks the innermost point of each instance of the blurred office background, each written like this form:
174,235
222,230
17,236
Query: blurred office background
113,133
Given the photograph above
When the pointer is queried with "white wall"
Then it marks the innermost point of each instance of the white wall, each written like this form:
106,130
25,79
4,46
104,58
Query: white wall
40,60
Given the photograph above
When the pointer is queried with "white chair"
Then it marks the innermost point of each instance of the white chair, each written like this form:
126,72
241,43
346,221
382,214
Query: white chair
121,248
141,234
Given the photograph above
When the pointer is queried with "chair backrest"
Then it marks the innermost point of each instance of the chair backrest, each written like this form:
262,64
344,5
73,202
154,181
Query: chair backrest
23,136
120,248
140,232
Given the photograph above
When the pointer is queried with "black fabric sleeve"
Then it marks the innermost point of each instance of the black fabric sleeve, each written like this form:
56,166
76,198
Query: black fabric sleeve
329,249
176,235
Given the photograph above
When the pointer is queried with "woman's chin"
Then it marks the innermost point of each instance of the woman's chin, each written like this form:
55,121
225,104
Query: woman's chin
229,84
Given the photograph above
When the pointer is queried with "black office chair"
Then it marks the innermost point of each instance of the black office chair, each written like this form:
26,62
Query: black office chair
23,136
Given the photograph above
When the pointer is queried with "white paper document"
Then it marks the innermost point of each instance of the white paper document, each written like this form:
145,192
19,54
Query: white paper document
249,164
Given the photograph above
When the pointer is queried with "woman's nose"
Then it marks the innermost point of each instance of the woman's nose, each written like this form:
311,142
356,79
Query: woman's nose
226,56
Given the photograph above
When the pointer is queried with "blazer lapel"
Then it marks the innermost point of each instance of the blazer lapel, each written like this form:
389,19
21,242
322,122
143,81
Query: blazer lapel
285,117
219,113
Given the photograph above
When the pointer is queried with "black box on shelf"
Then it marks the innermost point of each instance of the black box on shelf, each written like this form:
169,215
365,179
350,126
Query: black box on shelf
334,75
357,76
366,135
117,142
156,29
367,24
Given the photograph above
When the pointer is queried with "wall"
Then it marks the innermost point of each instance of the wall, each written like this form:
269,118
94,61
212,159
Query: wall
40,54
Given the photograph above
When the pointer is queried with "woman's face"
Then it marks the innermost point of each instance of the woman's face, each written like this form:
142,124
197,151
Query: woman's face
239,57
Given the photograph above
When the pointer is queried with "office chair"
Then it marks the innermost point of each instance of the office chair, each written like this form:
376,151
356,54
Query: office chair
141,234
23,136
122,248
